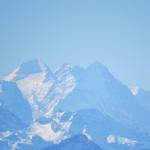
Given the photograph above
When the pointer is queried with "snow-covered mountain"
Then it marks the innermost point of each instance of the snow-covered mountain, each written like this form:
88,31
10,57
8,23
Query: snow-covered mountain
34,79
95,87
73,100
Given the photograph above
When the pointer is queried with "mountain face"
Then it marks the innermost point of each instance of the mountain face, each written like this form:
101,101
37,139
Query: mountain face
8,121
11,99
95,87
75,101
34,80
143,98
40,87
98,127
78,142
28,68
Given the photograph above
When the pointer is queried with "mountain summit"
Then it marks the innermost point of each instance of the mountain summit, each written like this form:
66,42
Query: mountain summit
25,69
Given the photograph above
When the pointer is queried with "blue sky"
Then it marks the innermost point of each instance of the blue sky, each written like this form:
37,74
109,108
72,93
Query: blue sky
116,33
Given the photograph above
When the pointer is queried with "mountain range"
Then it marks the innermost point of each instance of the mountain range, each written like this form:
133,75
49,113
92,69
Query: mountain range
71,108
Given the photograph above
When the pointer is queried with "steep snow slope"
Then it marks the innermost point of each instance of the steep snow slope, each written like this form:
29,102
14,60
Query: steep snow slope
11,99
34,79
41,87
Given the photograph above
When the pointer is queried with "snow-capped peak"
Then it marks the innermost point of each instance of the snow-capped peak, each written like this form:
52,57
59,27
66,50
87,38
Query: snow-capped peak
34,79
99,70
97,66
27,68
33,66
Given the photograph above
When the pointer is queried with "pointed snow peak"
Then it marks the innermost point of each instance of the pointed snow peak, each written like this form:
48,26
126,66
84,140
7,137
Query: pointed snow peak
27,68
33,66
98,68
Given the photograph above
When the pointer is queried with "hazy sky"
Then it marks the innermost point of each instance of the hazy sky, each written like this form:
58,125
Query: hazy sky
114,32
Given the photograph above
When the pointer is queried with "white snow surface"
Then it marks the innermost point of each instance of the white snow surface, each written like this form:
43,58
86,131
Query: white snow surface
111,139
135,90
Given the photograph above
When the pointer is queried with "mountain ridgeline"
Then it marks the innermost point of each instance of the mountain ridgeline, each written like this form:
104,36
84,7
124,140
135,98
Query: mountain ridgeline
71,108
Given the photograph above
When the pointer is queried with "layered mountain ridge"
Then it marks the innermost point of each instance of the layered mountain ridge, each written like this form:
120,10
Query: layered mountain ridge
73,100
